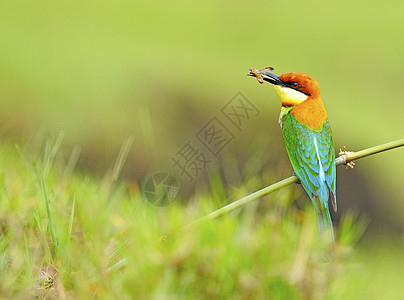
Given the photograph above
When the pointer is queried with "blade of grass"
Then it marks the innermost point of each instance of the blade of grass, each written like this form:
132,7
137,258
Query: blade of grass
37,221
71,163
51,226
123,154
71,220
50,155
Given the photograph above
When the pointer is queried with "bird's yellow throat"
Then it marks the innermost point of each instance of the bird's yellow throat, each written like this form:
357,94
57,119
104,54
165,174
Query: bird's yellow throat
290,97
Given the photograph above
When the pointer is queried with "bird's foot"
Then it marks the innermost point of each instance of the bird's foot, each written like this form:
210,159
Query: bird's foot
298,180
344,154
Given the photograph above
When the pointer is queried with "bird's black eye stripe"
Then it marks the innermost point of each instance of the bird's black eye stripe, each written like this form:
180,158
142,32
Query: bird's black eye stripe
296,86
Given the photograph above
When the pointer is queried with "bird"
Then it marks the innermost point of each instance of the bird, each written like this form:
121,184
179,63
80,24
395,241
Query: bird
308,140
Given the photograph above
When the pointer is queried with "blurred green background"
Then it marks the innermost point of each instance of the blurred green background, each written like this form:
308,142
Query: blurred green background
101,71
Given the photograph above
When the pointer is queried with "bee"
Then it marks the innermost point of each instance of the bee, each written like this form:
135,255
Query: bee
259,73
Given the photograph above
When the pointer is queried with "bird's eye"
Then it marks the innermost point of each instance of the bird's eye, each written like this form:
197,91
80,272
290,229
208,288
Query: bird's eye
295,85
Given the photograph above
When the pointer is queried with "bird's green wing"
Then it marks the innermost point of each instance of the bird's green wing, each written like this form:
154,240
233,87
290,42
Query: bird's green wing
312,156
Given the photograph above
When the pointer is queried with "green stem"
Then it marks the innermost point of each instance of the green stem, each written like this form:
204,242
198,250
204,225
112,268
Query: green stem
256,195
344,158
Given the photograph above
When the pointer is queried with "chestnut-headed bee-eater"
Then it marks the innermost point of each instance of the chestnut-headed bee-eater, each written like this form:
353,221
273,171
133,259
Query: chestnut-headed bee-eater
308,139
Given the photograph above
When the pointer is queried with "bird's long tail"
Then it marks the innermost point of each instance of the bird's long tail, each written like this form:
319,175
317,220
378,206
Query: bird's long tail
324,221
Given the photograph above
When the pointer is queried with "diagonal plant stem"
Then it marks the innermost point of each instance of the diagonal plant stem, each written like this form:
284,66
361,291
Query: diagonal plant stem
345,158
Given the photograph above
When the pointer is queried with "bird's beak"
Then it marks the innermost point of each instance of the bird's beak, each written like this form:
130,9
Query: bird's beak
267,76
272,78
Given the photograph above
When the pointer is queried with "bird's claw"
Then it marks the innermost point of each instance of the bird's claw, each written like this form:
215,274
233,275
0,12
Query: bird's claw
298,180
344,153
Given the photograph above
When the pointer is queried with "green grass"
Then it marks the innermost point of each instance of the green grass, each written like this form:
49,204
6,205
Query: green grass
76,237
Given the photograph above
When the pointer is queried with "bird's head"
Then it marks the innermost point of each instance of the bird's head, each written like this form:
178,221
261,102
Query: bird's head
293,88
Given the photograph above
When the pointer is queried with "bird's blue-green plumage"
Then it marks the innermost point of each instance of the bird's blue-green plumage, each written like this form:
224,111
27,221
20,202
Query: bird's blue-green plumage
311,153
